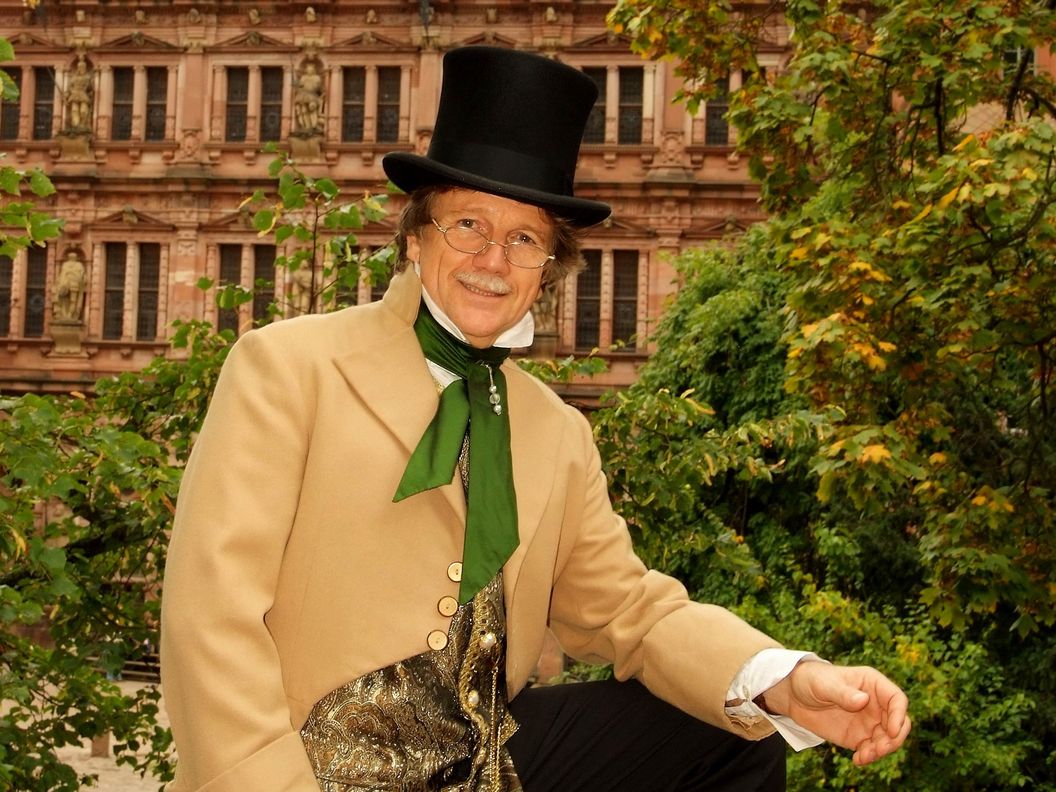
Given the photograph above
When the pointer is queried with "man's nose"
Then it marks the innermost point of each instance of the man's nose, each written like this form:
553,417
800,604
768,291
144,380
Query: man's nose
493,257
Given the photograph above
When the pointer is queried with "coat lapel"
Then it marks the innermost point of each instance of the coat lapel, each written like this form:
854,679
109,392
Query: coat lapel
383,363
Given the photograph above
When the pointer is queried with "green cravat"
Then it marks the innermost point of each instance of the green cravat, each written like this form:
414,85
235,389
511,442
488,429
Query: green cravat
478,401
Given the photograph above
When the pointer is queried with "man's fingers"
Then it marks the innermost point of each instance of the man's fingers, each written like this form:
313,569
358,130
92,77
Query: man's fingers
881,745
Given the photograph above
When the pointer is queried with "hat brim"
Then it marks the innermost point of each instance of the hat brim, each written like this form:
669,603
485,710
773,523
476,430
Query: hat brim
411,171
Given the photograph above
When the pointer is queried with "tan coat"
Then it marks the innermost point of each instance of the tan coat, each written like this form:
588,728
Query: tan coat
291,571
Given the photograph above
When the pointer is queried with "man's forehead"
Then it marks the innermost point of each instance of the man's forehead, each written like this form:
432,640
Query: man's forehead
460,199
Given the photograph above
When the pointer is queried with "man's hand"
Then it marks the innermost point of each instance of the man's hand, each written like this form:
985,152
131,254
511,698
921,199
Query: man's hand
853,707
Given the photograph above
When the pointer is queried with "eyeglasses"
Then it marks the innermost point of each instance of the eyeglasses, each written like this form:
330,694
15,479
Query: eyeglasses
526,255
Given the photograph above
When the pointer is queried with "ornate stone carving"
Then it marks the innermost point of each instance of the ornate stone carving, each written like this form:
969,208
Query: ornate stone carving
68,303
79,94
308,99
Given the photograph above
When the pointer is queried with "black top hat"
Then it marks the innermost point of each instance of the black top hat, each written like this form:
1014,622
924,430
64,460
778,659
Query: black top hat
509,124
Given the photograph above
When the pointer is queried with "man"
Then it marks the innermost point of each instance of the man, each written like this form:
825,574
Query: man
382,515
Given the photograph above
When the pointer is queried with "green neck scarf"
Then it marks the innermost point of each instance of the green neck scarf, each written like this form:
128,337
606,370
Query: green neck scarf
478,401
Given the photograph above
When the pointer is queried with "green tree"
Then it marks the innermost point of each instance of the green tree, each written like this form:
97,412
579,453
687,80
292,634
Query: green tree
903,296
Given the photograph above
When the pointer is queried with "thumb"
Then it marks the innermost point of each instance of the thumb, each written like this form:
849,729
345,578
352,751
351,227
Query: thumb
842,693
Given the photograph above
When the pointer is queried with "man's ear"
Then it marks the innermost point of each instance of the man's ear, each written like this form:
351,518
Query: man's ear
414,248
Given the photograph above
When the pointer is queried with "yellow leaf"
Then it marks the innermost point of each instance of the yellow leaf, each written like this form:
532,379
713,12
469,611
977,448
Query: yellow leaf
947,199
20,542
965,193
799,253
1030,174
922,214
979,163
799,233
967,139
887,346
979,500
808,329
78,395
821,240
937,458
900,204
866,299
860,266
874,453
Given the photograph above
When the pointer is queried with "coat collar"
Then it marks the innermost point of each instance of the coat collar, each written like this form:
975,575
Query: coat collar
382,362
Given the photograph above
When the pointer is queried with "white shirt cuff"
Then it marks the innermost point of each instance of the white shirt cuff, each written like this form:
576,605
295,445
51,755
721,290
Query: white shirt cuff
758,675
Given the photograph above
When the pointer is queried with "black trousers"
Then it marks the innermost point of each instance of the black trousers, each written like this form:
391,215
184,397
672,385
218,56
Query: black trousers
617,737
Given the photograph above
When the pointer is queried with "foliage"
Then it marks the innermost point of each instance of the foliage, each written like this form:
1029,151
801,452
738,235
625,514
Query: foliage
315,232
902,297
21,223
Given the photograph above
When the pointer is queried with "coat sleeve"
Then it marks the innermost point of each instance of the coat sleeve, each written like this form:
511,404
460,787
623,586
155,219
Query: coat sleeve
607,607
221,676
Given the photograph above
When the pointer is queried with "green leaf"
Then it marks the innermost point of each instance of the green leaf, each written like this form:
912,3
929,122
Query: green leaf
10,180
328,188
40,184
7,51
204,283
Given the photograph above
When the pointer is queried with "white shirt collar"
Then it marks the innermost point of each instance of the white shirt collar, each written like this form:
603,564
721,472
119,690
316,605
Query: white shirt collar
520,335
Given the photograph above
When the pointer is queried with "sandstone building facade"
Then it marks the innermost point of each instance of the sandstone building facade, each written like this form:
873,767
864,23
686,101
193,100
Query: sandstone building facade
150,119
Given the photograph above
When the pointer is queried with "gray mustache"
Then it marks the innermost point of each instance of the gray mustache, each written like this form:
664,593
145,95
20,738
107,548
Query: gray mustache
479,280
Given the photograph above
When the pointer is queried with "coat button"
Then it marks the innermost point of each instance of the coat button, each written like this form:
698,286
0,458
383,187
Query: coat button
454,571
447,606
437,640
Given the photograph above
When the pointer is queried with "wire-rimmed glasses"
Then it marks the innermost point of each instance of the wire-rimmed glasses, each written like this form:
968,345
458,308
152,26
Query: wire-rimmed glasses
526,255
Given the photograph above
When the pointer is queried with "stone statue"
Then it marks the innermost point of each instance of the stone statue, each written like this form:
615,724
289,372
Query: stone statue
308,100
309,14
301,291
69,289
79,97
544,311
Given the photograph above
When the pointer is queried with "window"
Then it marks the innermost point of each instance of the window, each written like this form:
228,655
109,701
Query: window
121,120
629,125
388,104
270,103
237,101
43,101
625,298
36,284
10,110
230,273
588,301
345,293
716,129
380,286
595,129
1016,56
157,96
263,281
147,291
353,103
114,291
7,272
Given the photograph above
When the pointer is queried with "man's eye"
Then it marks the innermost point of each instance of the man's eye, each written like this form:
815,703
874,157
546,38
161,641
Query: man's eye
523,239
466,222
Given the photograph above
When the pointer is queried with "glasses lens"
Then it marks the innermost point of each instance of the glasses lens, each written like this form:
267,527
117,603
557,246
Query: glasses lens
466,240
527,255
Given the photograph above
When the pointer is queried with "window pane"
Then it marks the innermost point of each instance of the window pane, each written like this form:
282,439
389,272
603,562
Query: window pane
9,111
121,123
114,290
237,97
630,120
43,101
230,272
588,301
157,96
716,130
6,274
36,278
352,104
595,130
263,280
388,104
147,291
347,294
625,297
271,103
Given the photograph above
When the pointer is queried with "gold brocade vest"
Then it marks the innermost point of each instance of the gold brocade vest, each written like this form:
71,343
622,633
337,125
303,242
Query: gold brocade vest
436,722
